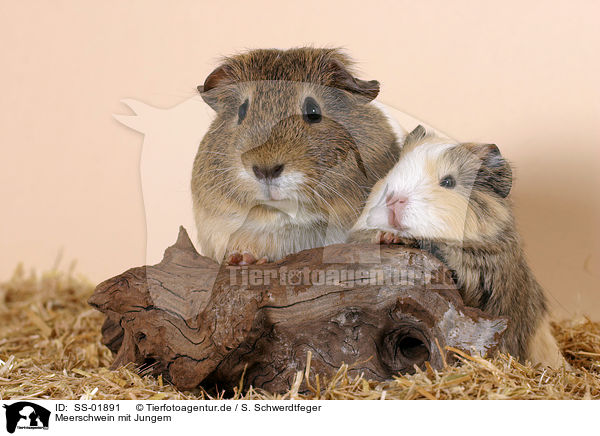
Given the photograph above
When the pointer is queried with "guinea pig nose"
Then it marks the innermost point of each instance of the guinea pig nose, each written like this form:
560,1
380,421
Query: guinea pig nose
267,172
396,199
395,204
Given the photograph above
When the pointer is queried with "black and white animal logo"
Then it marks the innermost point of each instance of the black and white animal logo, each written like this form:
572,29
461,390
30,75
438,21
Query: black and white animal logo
26,415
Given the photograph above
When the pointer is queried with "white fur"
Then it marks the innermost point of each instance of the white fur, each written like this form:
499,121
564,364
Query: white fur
283,187
416,176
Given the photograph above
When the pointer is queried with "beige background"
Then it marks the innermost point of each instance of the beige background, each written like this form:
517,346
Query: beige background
524,75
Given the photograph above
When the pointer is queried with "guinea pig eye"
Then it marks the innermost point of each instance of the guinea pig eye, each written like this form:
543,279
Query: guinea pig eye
242,111
311,112
448,182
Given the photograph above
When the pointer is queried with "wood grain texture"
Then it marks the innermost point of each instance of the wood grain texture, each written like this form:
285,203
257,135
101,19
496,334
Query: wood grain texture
384,309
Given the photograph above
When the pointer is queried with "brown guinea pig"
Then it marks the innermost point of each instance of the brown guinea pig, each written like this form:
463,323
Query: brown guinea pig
291,155
452,199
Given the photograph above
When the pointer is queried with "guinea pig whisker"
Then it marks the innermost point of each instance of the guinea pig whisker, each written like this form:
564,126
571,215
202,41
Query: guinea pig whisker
225,182
336,217
313,191
329,206
216,127
312,202
335,191
214,152
217,170
227,179
346,177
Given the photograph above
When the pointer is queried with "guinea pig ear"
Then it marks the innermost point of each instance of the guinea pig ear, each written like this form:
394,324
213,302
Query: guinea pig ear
220,77
342,79
413,138
495,172
416,134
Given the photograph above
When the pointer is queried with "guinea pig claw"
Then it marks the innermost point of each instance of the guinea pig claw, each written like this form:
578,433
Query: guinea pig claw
385,238
389,238
245,258
234,258
248,259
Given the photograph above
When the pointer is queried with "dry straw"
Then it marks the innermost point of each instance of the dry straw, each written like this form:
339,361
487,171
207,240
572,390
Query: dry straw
50,349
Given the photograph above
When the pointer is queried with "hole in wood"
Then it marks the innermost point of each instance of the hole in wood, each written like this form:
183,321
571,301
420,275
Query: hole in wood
413,349
405,347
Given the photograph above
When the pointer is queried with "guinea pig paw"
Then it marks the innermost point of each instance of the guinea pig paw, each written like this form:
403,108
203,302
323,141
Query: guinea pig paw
234,258
245,258
389,238
251,259
248,258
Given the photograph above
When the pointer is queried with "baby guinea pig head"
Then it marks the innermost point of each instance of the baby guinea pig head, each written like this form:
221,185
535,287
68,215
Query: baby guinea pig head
442,190
293,125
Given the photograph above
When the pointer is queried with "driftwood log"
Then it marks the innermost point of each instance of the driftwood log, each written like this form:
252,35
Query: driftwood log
382,309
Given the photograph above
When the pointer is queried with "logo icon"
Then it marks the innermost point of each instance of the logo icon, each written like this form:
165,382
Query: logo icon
26,415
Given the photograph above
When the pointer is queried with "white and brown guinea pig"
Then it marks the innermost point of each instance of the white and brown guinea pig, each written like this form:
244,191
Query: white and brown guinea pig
291,155
452,199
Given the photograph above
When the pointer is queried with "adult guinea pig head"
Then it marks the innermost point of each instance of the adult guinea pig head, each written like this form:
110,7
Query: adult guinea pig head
292,125
443,190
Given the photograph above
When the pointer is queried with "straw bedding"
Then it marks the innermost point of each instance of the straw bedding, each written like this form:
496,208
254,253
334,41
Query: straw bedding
50,349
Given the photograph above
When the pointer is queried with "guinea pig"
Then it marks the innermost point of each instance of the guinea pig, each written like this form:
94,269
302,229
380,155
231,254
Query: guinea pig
291,155
453,200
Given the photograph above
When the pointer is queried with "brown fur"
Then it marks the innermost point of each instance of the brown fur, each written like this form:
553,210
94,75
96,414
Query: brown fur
488,261
339,159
